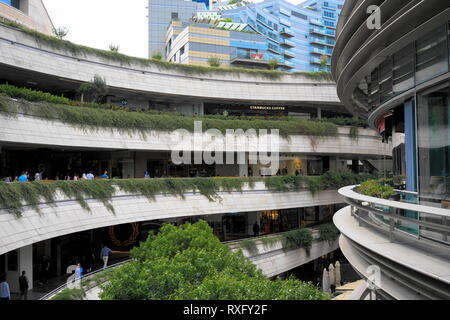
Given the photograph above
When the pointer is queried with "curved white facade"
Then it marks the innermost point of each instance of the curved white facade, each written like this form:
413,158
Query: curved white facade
274,260
66,217
29,130
19,50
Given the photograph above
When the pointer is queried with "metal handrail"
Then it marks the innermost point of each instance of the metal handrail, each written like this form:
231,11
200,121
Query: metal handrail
369,204
88,275
348,192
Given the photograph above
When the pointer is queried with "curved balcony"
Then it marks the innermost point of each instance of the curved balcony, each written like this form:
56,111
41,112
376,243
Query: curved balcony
33,131
273,259
66,216
409,243
65,68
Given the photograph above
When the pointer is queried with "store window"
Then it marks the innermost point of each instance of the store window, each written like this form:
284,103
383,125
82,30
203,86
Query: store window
434,144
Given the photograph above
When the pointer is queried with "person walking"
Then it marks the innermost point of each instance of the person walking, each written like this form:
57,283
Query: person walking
256,229
104,255
78,275
23,286
5,294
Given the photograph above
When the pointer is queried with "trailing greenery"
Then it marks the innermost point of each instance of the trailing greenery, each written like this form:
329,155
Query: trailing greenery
93,118
377,189
70,294
14,196
342,121
300,238
249,245
329,180
354,134
269,242
190,263
328,232
80,51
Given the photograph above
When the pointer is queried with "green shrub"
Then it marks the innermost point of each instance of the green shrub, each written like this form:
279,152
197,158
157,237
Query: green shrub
70,294
377,189
214,62
157,56
328,232
273,64
300,238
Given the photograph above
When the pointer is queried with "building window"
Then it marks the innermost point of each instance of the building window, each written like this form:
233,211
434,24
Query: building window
181,51
299,15
174,15
12,3
431,55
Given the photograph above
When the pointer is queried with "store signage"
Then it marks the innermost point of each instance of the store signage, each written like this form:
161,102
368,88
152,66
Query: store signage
257,56
267,108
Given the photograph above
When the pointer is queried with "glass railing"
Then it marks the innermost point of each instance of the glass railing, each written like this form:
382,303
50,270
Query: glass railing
287,43
401,215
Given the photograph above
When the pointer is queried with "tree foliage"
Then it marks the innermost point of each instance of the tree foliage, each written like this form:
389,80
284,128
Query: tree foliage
190,263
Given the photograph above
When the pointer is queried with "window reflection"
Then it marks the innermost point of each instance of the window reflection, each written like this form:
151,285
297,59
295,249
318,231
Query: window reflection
434,143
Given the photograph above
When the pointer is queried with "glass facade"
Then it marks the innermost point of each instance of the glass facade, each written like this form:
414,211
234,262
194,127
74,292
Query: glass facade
424,118
416,63
301,34
12,3
433,124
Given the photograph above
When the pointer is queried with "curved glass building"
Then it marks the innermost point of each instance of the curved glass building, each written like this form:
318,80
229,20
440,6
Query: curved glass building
392,68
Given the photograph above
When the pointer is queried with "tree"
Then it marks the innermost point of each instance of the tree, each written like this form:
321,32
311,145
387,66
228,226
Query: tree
61,32
323,61
114,47
96,89
214,62
273,64
157,56
189,262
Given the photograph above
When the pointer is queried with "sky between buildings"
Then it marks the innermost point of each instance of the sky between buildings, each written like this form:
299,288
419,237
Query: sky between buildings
99,23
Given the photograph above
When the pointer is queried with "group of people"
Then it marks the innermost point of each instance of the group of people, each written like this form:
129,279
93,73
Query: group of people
5,292
25,177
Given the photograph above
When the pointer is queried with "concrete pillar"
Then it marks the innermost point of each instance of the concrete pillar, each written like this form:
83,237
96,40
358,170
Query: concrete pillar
355,166
243,168
24,263
319,113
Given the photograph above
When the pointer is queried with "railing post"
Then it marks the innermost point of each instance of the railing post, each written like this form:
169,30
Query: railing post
445,233
391,229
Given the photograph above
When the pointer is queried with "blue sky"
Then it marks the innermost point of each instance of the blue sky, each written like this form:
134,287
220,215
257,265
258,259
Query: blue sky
98,23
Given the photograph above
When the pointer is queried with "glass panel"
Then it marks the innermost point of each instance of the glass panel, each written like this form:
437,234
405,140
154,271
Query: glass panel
403,69
432,55
385,75
434,145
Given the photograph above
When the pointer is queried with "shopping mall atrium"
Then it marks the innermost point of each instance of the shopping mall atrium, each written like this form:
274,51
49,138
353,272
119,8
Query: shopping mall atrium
255,153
